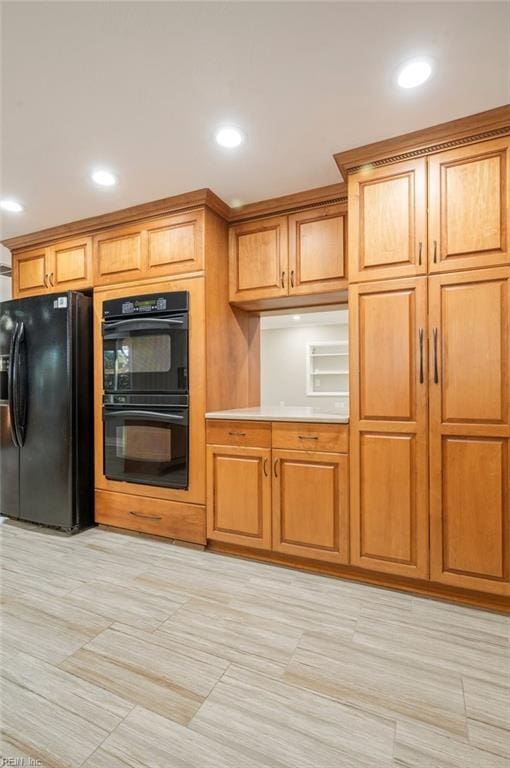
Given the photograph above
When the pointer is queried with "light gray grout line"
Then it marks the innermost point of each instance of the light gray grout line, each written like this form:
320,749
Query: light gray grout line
108,735
212,689
466,729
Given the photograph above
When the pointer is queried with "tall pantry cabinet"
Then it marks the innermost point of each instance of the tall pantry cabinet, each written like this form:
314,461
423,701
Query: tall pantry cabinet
429,268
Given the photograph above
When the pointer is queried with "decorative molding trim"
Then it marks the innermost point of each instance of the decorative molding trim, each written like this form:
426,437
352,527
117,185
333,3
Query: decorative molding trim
432,149
438,138
200,198
333,194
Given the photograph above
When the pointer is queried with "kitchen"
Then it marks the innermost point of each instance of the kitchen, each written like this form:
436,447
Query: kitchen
255,462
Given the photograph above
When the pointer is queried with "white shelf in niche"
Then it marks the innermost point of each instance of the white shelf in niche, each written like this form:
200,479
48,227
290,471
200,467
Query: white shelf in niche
332,354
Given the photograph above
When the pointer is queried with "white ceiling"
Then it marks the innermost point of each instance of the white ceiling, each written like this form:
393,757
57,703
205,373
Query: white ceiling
139,87
290,319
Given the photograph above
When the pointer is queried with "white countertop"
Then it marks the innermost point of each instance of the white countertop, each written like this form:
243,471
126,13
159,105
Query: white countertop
280,413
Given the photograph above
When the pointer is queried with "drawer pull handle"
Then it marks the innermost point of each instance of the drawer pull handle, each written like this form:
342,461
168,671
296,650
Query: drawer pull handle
146,517
237,434
308,437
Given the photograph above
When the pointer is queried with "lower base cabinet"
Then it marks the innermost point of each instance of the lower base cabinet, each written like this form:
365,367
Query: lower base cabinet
291,501
239,495
311,505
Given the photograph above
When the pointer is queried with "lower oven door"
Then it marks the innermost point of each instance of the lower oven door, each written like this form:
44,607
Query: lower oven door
146,446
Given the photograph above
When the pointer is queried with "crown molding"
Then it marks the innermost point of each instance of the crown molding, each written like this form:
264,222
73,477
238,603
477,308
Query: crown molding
200,198
437,138
310,198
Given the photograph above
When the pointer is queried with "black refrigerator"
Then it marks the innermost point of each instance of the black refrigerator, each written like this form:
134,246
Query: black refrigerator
46,411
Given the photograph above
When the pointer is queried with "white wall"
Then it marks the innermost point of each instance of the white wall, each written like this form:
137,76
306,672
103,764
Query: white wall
283,365
5,282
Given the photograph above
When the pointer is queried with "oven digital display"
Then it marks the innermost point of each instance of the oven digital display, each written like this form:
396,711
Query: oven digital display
136,306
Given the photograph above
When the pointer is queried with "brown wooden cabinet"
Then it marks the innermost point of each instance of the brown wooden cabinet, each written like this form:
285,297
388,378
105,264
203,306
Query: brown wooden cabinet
389,463
317,239
258,259
388,221
163,247
66,265
469,316
294,502
469,206
310,505
239,495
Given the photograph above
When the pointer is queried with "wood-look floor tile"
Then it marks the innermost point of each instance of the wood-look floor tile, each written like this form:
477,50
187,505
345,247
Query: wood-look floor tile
125,603
417,746
155,672
377,682
180,579
90,702
487,702
48,628
33,726
461,650
489,738
233,635
268,720
20,578
147,740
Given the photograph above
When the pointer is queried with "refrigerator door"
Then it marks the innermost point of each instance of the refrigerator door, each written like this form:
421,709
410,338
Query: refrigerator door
9,452
46,455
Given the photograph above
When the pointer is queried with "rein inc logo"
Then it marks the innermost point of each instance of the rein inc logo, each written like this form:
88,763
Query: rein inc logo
21,762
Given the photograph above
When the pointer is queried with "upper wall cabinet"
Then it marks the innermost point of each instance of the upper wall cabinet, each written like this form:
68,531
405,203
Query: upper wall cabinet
169,246
387,221
317,250
301,254
64,266
258,259
469,206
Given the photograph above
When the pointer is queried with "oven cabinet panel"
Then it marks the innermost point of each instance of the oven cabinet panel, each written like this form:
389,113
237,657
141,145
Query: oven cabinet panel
119,255
196,491
258,259
310,505
239,495
317,250
176,244
469,206
173,520
387,221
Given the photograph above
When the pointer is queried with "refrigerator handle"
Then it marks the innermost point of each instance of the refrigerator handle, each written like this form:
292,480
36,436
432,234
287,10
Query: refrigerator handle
11,387
19,387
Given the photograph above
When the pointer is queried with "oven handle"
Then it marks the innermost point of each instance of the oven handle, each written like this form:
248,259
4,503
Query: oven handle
142,324
150,414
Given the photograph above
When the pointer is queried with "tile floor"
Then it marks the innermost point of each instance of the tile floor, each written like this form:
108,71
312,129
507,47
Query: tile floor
118,650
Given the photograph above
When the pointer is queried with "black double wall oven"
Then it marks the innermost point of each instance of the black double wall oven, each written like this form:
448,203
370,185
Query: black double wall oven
146,396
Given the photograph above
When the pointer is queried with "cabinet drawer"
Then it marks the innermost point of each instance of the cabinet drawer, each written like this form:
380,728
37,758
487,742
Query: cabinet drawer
243,433
171,519
310,437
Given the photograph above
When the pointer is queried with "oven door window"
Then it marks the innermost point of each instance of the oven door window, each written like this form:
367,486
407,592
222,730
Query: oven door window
145,361
146,449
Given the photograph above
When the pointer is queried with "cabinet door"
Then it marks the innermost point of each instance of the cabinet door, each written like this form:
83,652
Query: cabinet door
469,206
71,264
387,221
239,495
30,273
310,505
258,259
317,250
388,427
469,317
176,244
119,255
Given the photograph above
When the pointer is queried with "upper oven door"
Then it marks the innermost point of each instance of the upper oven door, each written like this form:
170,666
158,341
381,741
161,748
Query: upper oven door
146,354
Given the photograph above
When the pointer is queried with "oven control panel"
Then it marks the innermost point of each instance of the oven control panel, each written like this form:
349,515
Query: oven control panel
139,306
146,305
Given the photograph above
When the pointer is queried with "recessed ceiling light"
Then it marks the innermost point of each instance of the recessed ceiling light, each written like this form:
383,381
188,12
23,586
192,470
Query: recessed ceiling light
236,203
296,317
229,137
11,205
414,73
104,178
